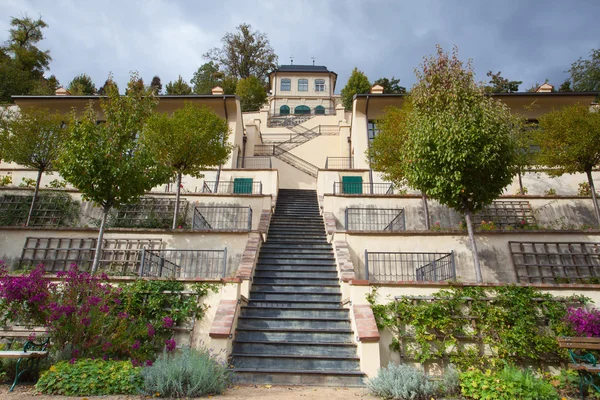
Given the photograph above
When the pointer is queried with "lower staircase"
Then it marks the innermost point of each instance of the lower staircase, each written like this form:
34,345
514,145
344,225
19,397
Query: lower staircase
294,330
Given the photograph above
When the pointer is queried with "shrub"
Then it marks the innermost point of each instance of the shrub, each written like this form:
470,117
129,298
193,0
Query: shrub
550,192
88,377
508,384
189,373
401,382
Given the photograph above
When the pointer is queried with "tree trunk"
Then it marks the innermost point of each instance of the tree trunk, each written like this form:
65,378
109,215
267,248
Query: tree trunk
426,208
100,238
176,213
35,195
520,183
594,197
469,220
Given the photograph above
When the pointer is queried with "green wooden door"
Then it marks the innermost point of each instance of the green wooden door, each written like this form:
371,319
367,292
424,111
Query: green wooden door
242,185
352,184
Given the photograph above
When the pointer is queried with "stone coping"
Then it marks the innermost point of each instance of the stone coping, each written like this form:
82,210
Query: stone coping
156,194
130,278
418,196
363,282
465,233
124,230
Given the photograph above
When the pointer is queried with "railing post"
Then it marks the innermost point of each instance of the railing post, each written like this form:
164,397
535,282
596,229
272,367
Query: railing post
249,219
333,187
142,262
346,218
366,264
453,265
403,219
161,264
224,262
326,162
261,187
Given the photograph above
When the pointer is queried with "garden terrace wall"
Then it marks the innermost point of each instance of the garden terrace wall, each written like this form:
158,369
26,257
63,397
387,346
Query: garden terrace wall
358,291
493,248
555,212
90,215
13,239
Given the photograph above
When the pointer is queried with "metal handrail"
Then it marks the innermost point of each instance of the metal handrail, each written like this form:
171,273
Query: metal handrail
374,219
339,163
230,187
355,188
183,263
410,266
222,218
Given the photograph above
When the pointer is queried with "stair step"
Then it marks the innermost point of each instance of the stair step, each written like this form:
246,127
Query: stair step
296,268
294,274
296,348
305,312
300,377
291,288
295,362
295,335
301,246
318,251
295,304
299,296
306,281
293,258
293,323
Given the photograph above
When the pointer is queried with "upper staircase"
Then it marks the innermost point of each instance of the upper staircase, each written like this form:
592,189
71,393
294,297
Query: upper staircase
294,330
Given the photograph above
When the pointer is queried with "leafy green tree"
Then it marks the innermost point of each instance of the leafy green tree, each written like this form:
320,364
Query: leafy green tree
45,86
103,90
179,87
82,85
499,84
585,73
565,86
525,149
390,85
22,63
156,85
459,148
244,54
188,142
33,138
108,162
207,77
229,84
252,93
569,141
358,83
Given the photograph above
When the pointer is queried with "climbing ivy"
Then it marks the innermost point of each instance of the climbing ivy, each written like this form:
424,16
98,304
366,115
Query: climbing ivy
507,324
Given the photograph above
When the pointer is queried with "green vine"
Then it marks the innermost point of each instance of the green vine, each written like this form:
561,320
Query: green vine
476,326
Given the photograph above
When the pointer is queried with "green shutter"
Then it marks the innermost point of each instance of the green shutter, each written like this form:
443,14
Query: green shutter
242,185
352,184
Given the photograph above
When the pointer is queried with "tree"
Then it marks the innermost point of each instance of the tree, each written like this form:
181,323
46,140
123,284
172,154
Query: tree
207,77
138,86
45,86
109,163
500,84
188,142
82,85
103,90
252,93
33,138
525,149
358,83
569,140
585,74
156,85
244,54
459,148
179,87
22,63
390,85
565,86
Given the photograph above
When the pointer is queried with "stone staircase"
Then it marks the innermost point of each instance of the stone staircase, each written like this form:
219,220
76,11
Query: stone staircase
294,330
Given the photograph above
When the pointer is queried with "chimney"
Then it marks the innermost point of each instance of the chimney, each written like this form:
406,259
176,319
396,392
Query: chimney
61,91
377,89
545,88
217,91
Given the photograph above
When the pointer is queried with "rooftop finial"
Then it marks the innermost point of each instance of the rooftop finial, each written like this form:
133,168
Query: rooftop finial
292,60
313,58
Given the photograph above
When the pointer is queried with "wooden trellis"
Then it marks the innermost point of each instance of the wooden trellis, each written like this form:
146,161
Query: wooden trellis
555,262
149,212
50,210
506,213
119,256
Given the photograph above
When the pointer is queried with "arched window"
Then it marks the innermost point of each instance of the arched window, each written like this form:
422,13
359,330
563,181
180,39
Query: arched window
303,85
284,110
319,110
301,110
286,85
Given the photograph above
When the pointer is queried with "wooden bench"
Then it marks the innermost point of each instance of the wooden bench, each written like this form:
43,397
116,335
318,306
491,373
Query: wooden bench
585,364
28,359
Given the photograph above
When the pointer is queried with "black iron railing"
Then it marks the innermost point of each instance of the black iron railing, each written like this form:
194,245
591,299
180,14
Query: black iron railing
263,149
401,266
374,219
241,188
357,188
184,263
254,162
222,218
339,163
312,111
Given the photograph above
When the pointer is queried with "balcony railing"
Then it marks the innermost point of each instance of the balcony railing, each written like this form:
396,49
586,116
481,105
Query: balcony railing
312,111
394,267
263,149
241,188
200,264
222,218
360,188
254,162
339,163
375,219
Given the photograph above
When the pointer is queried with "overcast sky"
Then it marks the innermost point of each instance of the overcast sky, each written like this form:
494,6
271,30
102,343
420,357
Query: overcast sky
526,40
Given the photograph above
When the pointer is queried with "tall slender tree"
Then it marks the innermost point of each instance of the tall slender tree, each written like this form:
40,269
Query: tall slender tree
179,87
358,83
33,138
109,163
82,85
189,141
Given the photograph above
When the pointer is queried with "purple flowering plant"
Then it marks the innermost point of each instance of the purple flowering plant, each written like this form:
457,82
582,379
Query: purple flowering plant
584,323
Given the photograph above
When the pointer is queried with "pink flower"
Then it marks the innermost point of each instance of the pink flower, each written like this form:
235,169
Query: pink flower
170,344
168,322
151,331
135,345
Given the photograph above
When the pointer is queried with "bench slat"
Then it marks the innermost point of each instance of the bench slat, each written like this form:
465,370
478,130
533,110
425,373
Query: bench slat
585,343
585,367
23,354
